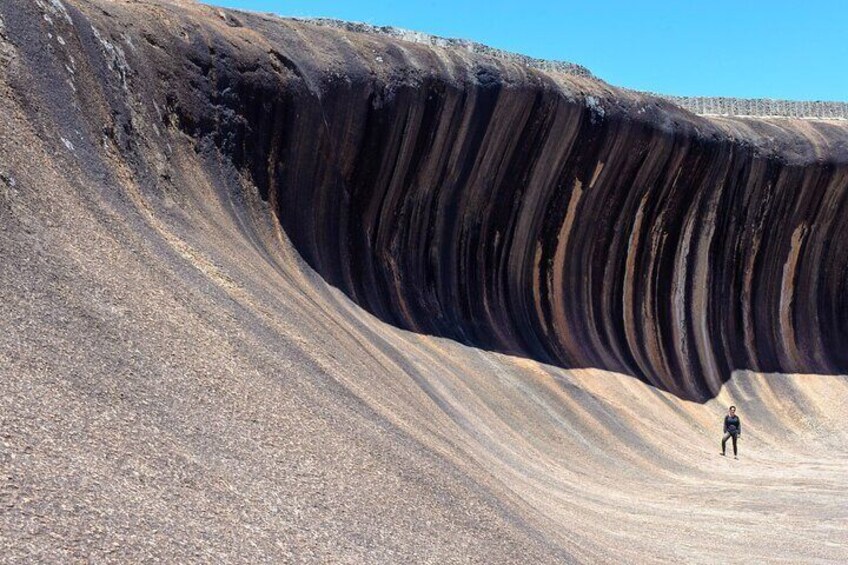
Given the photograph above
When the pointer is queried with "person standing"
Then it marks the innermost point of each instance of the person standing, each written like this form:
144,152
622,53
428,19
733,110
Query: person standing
732,429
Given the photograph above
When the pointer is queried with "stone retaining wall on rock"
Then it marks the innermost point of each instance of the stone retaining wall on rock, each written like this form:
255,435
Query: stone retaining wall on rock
723,106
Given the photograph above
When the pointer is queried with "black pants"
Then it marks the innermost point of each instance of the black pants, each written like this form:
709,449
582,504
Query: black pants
724,441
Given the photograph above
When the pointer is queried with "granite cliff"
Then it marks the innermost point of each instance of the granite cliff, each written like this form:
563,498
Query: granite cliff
533,213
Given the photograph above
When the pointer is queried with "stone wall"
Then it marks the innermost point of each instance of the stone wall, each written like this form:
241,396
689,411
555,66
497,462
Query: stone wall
721,106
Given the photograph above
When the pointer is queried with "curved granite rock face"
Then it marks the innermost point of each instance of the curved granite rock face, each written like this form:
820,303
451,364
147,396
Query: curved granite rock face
543,215
178,385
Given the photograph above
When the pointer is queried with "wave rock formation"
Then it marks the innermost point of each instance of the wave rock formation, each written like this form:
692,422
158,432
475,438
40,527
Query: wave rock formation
548,216
185,190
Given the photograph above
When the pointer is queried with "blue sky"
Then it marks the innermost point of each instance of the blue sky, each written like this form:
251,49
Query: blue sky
779,49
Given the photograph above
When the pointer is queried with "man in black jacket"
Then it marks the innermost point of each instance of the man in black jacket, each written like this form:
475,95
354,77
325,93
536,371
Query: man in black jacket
732,428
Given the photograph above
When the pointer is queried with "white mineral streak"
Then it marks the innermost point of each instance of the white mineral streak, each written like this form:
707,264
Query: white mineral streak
115,55
56,8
